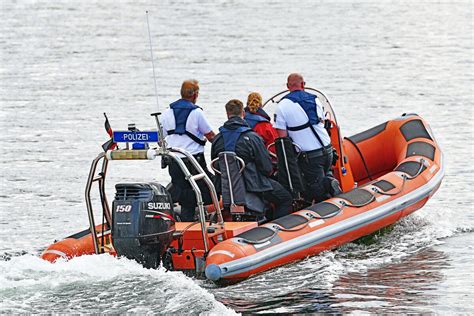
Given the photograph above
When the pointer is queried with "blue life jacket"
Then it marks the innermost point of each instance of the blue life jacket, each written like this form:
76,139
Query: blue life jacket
307,101
231,136
181,110
252,119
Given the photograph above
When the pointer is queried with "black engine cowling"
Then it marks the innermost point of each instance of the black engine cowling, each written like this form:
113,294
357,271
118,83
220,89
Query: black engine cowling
142,222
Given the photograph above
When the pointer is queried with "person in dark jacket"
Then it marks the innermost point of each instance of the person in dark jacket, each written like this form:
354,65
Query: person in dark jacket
248,145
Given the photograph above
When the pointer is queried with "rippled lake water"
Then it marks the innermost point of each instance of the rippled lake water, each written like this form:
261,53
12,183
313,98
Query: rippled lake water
63,63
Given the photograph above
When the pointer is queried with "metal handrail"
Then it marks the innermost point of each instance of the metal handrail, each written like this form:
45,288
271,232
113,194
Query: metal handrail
173,154
105,207
330,110
321,95
242,163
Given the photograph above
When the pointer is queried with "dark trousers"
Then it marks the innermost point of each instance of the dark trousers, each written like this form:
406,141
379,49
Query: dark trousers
316,169
182,191
280,198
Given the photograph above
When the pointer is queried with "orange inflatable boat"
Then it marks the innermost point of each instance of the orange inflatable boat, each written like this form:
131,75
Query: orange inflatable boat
398,166
386,173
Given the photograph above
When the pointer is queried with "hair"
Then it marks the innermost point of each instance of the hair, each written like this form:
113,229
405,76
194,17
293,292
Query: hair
189,88
234,107
254,102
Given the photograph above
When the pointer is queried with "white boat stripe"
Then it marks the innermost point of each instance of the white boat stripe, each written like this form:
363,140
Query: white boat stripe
222,252
316,223
262,244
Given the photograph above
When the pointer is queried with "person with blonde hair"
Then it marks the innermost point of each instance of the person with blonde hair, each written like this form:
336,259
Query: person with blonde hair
259,120
186,127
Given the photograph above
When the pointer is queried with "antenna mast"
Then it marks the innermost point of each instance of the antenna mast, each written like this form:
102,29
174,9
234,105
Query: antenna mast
161,139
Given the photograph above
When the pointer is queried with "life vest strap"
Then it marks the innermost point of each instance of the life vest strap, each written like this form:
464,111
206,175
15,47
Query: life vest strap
309,107
201,142
307,125
299,127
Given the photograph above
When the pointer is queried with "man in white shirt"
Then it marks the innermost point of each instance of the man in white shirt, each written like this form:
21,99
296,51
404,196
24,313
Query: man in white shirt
300,117
186,127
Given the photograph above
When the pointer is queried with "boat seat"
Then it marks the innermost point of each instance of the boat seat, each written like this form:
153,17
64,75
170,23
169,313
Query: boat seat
357,196
257,234
290,221
79,235
414,129
421,149
384,185
368,133
324,209
411,168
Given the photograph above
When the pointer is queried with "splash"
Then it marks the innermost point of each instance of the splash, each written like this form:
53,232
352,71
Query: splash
99,283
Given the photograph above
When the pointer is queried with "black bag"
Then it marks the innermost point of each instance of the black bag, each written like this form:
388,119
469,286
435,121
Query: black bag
289,174
233,185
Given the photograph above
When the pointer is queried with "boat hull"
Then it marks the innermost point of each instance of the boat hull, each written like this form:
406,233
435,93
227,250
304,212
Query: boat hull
397,165
416,175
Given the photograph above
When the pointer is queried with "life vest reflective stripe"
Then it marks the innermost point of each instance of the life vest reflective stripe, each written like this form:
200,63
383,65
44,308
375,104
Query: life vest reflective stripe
181,110
231,136
307,101
253,119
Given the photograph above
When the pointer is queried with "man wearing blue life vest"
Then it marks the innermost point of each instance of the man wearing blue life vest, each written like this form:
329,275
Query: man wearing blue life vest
186,127
236,136
300,117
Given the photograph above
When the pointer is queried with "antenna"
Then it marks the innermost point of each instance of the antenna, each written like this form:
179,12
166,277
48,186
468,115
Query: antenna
161,139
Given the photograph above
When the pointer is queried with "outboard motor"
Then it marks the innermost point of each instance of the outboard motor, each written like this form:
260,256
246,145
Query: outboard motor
142,222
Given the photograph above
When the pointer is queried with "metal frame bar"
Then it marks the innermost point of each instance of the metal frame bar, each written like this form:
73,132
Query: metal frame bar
172,153
331,111
105,207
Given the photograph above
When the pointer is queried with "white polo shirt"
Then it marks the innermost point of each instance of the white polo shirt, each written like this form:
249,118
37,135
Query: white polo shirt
292,114
196,124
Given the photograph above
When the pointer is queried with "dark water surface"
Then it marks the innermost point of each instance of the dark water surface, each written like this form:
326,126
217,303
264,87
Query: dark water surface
63,63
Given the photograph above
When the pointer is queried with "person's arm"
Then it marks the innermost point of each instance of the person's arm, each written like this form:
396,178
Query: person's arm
262,158
205,128
210,136
263,129
217,146
280,122
213,151
282,132
273,135
164,122
268,134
